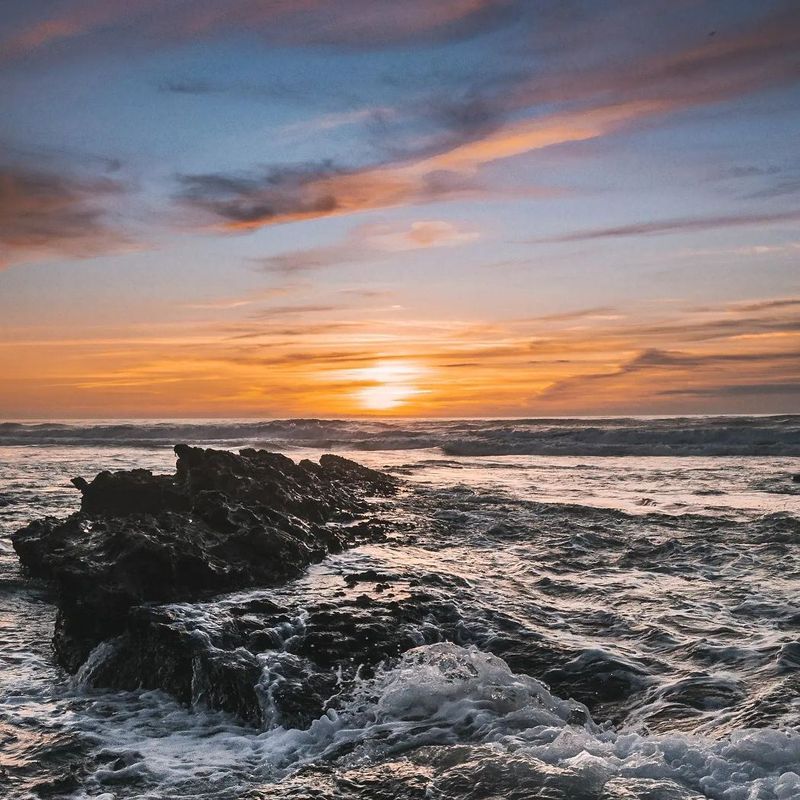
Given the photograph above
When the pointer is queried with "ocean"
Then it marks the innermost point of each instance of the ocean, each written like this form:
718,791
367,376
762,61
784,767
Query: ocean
609,609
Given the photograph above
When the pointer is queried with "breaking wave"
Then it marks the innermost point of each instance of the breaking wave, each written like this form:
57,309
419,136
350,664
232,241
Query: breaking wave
668,436
453,717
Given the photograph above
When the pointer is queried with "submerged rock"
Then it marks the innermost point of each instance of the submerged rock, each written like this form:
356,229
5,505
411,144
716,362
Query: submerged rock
224,521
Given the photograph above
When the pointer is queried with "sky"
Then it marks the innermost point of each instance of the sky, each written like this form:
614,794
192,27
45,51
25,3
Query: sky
272,208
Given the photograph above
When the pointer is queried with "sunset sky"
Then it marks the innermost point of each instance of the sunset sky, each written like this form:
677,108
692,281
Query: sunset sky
428,207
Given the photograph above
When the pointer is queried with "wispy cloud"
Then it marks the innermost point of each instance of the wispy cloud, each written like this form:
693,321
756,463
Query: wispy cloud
287,194
372,243
306,358
347,23
749,306
336,119
594,313
279,195
647,371
476,128
679,225
47,214
778,188
436,144
790,390
306,310
250,299
749,171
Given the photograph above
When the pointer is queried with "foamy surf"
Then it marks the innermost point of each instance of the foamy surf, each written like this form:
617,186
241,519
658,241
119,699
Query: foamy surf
454,707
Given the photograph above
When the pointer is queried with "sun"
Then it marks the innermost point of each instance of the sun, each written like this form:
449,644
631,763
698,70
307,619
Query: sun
388,385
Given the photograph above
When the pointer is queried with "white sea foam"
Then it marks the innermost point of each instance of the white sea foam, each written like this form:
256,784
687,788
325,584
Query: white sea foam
438,694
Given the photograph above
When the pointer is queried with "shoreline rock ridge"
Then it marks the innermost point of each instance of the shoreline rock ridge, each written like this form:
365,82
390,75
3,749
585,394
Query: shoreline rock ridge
223,522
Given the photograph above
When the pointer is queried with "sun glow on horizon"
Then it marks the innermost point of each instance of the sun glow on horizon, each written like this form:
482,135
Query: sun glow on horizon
388,385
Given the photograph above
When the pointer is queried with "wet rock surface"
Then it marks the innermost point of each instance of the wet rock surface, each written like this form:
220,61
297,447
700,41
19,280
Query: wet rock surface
145,572
468,772
263,662
222,522
282,658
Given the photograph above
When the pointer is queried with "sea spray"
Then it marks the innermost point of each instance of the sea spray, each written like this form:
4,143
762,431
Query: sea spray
442,696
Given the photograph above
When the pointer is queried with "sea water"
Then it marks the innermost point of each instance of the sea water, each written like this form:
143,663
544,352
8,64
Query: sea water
659,555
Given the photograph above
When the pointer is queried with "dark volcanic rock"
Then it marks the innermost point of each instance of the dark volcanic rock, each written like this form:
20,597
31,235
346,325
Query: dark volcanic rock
136,491
222,522
261,661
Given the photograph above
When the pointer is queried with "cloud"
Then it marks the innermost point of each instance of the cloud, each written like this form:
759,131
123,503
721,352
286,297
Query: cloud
790,185
253,298
417,236
588,88
653,367
274,312
613,53
436,147
736,390
367,293
46,214
762,53
680,225
537,96
288,194
768,305
605,56
752,250
724,327
334,120
354,24
370,243
596,312
750,171
190,86
303,362
303,93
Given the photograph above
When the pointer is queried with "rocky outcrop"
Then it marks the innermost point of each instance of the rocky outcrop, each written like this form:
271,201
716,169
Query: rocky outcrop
223,521
145,570
263,662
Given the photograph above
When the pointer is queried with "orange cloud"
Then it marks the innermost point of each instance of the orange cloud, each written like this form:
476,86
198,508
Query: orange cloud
288,195
739,357
621,91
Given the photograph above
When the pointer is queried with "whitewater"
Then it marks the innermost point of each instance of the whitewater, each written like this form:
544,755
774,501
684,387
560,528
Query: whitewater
608,609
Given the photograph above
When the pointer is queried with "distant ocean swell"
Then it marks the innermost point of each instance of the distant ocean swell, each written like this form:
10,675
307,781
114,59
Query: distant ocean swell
668,436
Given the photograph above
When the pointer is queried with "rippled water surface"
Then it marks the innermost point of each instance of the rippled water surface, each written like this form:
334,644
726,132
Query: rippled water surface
660,592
